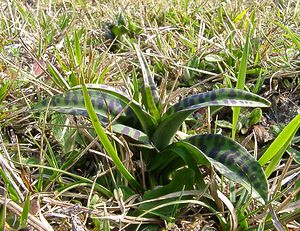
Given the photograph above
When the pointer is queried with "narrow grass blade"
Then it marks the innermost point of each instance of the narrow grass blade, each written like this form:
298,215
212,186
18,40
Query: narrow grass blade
135,85
69,186
221,218
177,113
70,51
25,212
57,77
240,16
2,215
106,226
14,195
4,89
77,51
150,91
51,158
292,35
241,82
99,187
105,141
279,145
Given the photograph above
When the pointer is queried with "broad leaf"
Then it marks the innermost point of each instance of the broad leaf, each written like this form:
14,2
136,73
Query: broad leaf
177,113
133,133
219,97
234,162
182,149
183,179
145,119
109,147
175,156
72,102
106,107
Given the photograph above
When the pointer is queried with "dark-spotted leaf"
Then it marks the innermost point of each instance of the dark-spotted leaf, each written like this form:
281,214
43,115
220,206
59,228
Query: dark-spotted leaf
109,147
234,162
106,107
146,120
219,97
177,113
133,133
72,102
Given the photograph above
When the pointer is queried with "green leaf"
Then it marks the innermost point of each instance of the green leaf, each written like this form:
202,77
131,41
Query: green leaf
181,148
279,145
108,103
70,52
4,89
57,77
177,113
291,34
9,187
145,118
25,212
219,97
78,53
72,102
135,85
294,152
119,30
105,141
255,116
152,98
2,217
249,120
3,214
240,16
234,162
133,133
213,58
297,185
182,179
189,72
241,82
65,135
165,160
223,124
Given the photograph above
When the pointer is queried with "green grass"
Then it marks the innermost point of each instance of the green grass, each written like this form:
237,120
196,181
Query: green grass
152,55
